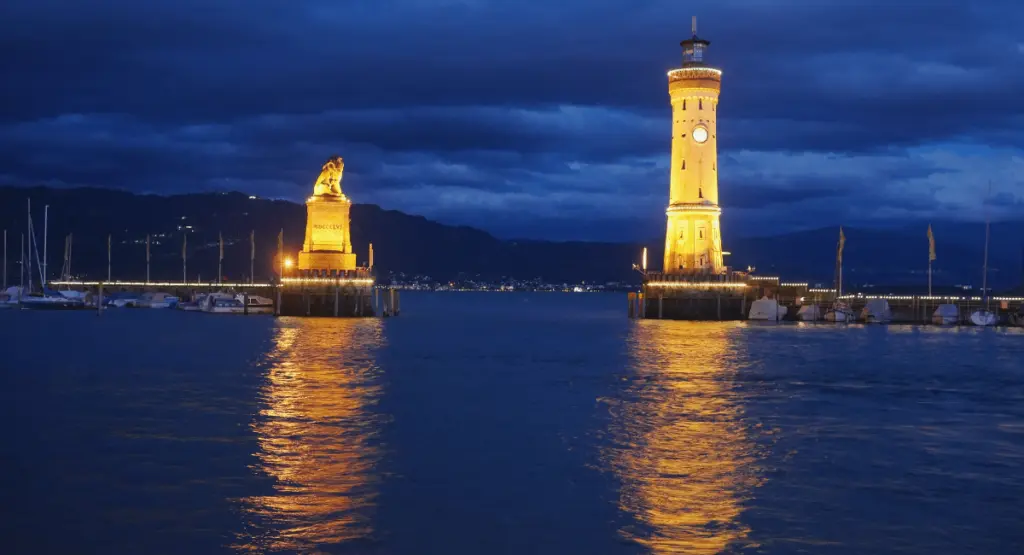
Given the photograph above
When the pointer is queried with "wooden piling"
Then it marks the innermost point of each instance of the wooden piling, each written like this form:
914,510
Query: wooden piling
335,300
99,299
661,306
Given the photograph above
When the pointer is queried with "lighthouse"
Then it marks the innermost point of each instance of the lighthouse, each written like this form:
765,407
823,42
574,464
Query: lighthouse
693,239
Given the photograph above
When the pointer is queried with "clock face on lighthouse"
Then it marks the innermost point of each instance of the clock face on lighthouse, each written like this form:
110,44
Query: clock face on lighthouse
700,134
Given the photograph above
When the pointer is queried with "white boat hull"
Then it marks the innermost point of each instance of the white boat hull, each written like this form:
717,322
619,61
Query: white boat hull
840,314
809,313
984,318
767,310
225,310
946,315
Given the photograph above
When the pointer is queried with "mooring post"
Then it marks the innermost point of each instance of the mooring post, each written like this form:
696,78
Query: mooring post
306,298
376,300
398,302
661,305
631,302
99,299
743,307
718,308
277,308
335,300
245,303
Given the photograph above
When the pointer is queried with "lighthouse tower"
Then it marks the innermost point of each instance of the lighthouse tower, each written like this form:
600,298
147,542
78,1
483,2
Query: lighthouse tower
693,240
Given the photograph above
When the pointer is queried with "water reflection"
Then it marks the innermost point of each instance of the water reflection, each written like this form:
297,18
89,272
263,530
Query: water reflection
681,448
317,434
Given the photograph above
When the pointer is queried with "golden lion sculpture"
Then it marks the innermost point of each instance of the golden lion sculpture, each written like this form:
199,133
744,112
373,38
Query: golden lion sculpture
329,182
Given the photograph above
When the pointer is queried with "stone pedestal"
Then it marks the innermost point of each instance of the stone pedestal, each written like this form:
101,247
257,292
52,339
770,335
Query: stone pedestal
328,245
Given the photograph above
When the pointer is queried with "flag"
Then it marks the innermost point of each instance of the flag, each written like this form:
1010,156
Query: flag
931,244
220,236
842,243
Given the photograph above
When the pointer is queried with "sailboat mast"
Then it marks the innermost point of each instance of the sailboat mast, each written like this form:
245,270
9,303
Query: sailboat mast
46,228
984,274
29,233
984,265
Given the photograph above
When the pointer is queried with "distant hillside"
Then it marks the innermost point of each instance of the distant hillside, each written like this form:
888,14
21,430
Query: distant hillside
417,246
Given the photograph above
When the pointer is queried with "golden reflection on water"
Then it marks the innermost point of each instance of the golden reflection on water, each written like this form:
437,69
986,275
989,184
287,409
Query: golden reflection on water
316,432
682,450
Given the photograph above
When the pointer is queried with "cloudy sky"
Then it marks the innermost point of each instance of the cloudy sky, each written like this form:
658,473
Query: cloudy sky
526,118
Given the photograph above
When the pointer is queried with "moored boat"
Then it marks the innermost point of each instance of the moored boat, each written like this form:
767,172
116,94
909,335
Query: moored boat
222,303
809,313
983,317
256,304
50,300
839,313
157,300
767,309
946,315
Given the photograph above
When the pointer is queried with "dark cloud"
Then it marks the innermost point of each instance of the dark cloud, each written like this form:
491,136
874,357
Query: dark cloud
517,115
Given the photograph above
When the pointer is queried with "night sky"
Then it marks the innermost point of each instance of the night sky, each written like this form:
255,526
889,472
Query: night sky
525,118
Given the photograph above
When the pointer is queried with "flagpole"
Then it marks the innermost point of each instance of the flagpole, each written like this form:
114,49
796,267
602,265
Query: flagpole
220,258
184,259
252,256
29,234
46,230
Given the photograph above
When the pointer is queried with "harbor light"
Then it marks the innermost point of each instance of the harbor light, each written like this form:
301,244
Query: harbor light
288,262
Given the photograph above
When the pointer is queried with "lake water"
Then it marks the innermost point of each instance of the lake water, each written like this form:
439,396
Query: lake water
506,423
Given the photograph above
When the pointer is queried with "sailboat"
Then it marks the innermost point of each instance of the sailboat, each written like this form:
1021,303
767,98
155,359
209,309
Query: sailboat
984,316
46,299
840,311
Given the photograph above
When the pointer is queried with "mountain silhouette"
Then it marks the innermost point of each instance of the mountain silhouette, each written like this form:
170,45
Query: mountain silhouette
416,246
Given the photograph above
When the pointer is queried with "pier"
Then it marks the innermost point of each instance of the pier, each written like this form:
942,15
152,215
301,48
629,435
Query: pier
728,296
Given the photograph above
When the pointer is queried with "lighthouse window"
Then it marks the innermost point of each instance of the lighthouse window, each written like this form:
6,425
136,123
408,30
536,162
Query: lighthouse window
700,233
684,103
700,104
684,165
713,106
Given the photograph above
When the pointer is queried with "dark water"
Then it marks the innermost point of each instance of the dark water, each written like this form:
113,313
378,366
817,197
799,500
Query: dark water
506,423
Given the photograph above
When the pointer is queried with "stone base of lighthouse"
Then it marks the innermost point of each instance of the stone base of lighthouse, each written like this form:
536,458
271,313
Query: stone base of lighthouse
693,242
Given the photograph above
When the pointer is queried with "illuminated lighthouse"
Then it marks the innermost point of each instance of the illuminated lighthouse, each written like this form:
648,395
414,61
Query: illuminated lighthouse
693,240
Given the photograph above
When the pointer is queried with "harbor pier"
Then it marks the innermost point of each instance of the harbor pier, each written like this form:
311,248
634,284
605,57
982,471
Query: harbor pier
728,296
348,293
692,296
344,294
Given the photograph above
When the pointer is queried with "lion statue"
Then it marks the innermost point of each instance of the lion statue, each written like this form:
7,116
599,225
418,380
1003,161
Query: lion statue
329,182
